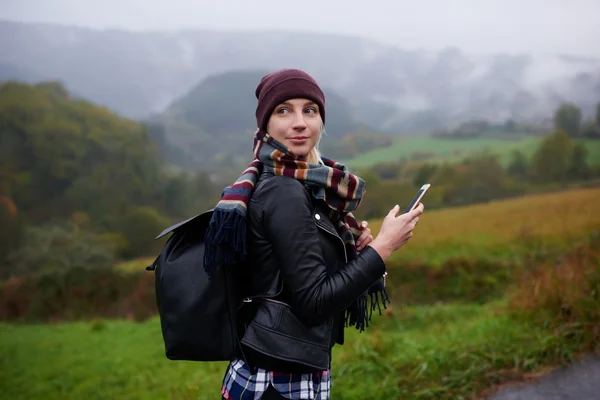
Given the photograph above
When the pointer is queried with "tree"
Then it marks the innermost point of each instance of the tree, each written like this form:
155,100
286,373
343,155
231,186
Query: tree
424,174
387,170
472,128
477,179
59,247
140,225
589,129
552,159
568,118
579,168
518,164
11,228
74,155
510,125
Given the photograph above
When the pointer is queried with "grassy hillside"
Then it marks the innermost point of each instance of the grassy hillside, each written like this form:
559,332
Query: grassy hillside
496,230
439,149
416,352
501,229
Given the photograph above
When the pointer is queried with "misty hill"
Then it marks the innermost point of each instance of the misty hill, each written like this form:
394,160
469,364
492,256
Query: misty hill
225,104
220,104
12,73
222,107
387,87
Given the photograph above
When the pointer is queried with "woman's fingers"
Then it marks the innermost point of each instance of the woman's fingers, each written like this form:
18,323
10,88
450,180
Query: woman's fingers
365,237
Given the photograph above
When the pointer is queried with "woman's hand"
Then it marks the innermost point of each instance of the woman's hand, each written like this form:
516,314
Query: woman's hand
396,231
365,237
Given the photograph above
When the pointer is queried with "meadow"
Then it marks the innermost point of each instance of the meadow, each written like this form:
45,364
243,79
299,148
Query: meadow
417,353
437,349
501,229
436,149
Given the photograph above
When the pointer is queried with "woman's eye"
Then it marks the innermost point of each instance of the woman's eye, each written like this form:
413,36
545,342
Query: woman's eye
282,110
311,110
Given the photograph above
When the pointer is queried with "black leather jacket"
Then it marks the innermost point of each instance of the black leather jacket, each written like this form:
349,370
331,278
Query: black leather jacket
300,280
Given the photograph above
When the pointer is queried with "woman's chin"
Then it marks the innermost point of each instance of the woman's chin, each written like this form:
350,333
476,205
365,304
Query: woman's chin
300,151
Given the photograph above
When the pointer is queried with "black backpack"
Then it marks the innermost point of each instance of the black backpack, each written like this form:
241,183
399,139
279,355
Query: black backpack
197,314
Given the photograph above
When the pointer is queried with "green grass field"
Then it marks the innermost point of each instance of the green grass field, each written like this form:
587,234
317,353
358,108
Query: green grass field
594,149
439,150
413,353
441,351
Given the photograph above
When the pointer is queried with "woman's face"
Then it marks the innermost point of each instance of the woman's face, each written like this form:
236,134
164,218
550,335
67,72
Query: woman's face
296,123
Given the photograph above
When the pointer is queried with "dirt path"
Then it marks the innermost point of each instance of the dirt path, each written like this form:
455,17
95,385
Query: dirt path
580,381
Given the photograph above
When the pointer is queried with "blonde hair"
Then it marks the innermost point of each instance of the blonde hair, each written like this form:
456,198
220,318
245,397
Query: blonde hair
314,155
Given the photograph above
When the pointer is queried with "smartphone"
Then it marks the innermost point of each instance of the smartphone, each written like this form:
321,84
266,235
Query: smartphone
415,201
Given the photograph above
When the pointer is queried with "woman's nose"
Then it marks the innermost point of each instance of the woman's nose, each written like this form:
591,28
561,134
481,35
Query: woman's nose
299,121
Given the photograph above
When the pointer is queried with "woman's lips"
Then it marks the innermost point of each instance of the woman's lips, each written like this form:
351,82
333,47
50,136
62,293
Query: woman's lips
299,139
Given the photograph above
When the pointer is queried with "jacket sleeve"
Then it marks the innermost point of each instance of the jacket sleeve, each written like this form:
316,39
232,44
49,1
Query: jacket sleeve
288,224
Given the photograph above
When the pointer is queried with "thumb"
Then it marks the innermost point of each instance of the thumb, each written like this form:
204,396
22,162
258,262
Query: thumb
394,211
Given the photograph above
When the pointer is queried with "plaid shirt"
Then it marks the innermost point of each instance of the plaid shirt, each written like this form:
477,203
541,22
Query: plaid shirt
239,384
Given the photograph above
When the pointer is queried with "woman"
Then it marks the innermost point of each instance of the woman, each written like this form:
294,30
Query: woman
310,269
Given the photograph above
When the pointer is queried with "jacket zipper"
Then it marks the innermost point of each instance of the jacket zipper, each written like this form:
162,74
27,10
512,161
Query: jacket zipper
252,298
345,255
337,236
278,302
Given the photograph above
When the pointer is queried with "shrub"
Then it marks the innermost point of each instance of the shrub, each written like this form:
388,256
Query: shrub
59,247
77,294
11,227
565,294
456,280
140,225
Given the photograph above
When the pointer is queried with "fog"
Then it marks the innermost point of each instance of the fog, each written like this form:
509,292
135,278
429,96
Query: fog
511,26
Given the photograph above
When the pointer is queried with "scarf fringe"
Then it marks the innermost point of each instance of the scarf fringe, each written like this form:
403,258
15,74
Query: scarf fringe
359,314
225,241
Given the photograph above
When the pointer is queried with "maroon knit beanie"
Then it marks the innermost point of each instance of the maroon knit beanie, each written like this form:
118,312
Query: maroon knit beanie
282,85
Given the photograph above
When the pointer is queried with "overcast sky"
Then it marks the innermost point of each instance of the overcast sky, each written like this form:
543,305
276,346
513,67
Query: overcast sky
533,26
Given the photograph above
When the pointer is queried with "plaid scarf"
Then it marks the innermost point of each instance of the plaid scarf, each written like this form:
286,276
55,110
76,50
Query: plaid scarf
225,241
